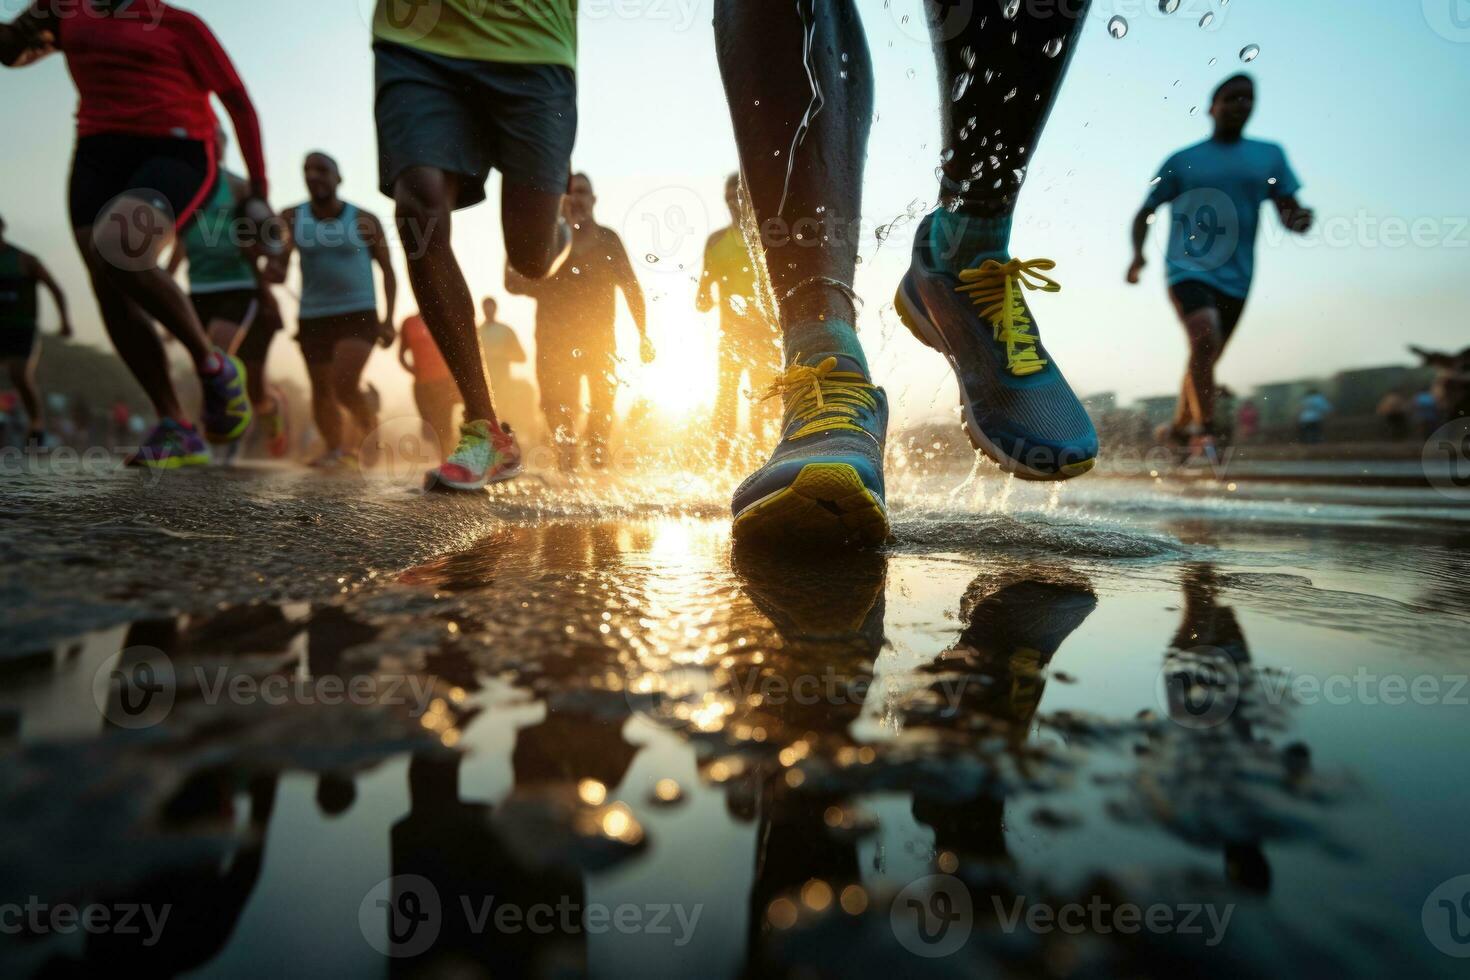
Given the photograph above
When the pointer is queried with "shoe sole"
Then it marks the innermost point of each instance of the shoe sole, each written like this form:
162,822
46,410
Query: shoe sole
827,502
219,438
926,333
172,463
434,482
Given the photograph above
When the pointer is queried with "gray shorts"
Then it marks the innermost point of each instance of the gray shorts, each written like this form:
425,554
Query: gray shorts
466,117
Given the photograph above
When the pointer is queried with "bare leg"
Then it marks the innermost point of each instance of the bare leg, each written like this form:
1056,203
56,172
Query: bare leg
324,408
806,193
602,392
1203,328
425,200
529,220
23,376
349,358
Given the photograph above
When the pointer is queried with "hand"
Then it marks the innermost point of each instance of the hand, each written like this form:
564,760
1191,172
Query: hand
386,334
275,270
19,48
66,330
1299,220
262,234
1135,271
646,351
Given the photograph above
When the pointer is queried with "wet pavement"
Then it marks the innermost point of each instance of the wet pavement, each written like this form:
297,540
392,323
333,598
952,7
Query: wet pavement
263,721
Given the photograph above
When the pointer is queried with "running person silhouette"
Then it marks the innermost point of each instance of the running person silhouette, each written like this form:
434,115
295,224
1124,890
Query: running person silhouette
799,81
465,86
575,312
749,343
20,349
339,242
144,164
1215,190
233,300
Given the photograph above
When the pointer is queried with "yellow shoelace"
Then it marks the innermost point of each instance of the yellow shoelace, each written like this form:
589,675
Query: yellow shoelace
823,397
998,289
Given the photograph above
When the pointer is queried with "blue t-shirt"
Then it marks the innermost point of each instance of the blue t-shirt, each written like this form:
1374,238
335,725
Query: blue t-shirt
1215,191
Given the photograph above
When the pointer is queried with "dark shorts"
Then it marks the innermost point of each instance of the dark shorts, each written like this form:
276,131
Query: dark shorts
468,117
242,307
1191,296
262,331
320,336
175,175
17,343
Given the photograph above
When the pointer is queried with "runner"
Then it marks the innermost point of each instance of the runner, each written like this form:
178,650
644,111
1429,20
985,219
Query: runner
1215,190
433,385
465,86
20,331
802,113
749,343
233,300
144,164
502,350
339,242
575,312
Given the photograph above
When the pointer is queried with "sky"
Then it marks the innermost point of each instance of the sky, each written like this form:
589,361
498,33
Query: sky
1366,98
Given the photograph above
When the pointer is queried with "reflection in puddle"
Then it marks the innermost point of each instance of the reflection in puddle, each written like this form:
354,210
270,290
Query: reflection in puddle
614,747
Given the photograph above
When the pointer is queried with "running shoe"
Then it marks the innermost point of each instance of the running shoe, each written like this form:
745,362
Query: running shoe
824,482
1017,407
334,459
171,445
227,411
484,456
273,428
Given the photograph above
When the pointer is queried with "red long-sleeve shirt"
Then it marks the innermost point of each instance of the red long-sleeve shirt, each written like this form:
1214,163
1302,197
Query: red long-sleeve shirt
148,68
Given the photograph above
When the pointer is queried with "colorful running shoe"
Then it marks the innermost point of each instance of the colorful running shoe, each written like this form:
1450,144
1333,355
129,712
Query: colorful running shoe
824,482
1017,407
227,411
485,455
171,445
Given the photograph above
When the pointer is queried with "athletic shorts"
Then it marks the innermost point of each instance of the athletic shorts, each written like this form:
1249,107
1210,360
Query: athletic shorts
320,336
17,343
242,307
175,175
257,342
1191,296
468,117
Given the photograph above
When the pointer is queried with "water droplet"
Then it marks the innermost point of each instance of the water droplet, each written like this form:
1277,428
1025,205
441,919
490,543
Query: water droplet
1011,9
1052,48
911,73
1207,19
1214,62
1194,110
1118,26
1168,6
961,85
1250,52
650,258
576,352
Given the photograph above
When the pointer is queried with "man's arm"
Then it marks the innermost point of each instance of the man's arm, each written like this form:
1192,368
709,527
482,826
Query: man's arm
276,266
213,67
1141,222
42,275
378,242
512,352
704,300
1297,218
518,285
30,37
1166,188
627,281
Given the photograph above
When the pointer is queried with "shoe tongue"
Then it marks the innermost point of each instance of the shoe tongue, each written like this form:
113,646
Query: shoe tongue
845,362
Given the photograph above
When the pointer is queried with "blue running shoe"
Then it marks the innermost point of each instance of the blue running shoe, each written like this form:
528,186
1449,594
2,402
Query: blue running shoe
227,411
171,446
1017,407
824,482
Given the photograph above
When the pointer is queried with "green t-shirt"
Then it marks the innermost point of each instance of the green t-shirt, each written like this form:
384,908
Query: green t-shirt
17,291
523,32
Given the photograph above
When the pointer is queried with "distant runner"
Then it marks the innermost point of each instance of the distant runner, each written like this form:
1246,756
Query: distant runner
465,86
575,313
1215,190
749,343
20,332
339,242
433,385
145,163
502,349
234,303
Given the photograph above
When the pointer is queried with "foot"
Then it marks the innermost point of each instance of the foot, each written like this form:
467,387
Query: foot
227,411
824,482
485,455
334,459
171,445
273,428
1017,407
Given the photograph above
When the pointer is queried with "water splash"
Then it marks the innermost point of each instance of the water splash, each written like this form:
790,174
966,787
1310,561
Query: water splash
808,15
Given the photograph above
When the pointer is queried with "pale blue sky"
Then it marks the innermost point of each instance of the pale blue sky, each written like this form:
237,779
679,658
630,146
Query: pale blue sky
1367,98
